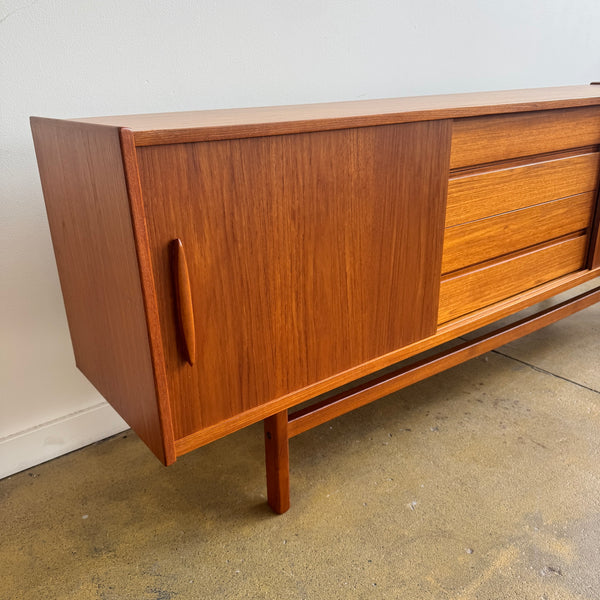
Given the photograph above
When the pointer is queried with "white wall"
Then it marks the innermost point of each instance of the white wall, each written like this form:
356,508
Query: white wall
84,58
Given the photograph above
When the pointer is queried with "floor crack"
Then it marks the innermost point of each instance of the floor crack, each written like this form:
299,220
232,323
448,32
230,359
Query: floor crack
540,370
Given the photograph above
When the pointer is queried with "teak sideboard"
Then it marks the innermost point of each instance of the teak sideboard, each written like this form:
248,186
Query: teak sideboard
221,267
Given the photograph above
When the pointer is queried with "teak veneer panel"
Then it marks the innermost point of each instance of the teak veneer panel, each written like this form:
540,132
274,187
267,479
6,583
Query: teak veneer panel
206,125
480,140
307,255
81,169
489,238
467,292
445,333
479,195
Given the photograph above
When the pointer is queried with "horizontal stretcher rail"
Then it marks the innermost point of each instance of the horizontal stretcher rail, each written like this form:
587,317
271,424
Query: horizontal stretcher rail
325,410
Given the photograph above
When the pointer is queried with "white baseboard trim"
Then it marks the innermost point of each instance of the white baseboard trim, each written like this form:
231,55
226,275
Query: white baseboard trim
25,449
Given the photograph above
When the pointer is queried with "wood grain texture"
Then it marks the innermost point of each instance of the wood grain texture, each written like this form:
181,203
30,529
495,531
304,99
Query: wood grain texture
330,408
83,181
183,300
465,293
445,332
499,190
482,240
481,140
194,126
277,461
308,255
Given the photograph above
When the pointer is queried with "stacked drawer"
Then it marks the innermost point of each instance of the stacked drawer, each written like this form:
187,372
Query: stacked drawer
521,201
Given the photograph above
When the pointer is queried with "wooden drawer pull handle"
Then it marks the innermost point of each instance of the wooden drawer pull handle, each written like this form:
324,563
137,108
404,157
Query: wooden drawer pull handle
183,296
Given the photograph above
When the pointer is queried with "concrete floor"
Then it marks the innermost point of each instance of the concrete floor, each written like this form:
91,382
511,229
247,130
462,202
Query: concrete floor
480,483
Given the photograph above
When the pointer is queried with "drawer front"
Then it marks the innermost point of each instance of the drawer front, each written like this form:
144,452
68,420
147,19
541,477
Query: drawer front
465,293
479,195
480,140
482,240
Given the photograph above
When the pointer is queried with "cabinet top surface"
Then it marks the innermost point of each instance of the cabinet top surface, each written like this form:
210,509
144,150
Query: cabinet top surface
204,125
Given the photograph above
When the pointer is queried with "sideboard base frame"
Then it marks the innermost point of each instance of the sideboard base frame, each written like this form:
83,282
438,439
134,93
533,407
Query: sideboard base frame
281,427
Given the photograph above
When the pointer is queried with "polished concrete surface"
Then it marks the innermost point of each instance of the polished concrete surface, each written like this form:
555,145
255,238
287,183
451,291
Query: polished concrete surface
479,483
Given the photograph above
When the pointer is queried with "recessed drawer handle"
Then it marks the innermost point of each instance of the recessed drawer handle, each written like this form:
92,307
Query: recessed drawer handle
183,297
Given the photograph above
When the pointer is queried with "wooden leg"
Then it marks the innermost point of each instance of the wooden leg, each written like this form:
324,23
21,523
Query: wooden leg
277,458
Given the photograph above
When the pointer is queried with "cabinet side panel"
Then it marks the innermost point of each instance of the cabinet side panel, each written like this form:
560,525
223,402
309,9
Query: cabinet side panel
308,255
81,170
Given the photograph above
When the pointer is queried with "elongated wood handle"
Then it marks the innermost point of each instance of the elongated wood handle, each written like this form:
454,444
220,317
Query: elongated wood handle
183,296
